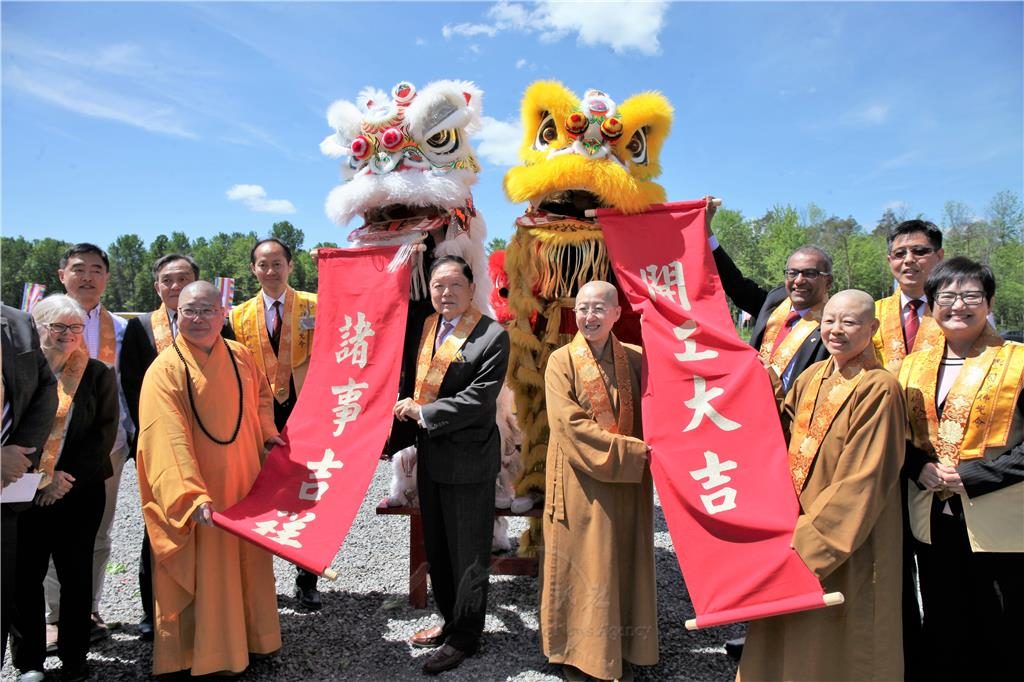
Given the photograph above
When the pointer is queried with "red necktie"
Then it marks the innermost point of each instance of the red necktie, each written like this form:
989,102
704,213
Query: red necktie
913,323
275,335
787,327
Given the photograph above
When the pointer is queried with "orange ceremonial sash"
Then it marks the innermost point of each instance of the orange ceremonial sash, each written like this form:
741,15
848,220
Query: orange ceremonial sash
783,355
888,340
67,386
163,337
814,418
430,371
978,411
596,390
108,339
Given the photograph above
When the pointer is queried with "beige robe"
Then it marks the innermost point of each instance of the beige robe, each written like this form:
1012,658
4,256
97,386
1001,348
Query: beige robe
215,594
849,534
597,605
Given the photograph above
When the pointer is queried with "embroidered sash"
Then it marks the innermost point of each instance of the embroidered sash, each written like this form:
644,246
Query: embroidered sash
814,418
67,386
596,390
783,355
108,339
888,340
430,371
979,407
162,334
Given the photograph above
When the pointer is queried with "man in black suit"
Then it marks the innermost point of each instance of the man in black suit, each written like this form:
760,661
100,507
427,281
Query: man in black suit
461,365
29,406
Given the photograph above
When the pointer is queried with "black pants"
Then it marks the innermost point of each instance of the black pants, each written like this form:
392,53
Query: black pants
973,604
65,531
8,580
458,521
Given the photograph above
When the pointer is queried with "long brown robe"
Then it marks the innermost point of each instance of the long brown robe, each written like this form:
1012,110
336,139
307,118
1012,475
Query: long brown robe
597,605
849,534
214,593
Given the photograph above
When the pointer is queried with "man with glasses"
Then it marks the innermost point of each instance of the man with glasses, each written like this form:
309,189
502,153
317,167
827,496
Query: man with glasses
276,325
906,323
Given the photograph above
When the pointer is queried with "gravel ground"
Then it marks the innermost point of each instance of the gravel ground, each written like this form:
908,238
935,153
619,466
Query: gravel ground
361,631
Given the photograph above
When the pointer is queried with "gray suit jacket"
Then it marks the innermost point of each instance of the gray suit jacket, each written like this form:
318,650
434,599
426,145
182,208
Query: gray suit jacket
460,443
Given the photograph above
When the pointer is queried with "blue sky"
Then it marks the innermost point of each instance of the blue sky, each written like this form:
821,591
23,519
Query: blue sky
141,117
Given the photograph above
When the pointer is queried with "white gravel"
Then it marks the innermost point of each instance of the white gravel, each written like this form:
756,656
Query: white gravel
361,631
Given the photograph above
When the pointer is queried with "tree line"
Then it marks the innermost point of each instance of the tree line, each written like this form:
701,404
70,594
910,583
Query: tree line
759,246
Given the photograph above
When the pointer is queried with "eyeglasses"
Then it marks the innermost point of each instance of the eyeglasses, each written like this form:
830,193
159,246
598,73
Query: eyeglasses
970,298
59,328
596,311
809,273
195,313
917,251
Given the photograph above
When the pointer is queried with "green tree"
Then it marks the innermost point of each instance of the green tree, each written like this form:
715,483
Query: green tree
14,253
496,244
780,234
42,264
1006,216
1009,301
887,222
289,234
127,260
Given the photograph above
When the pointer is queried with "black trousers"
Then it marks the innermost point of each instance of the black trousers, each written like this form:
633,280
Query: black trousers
65,531
458,521
973,604
8,580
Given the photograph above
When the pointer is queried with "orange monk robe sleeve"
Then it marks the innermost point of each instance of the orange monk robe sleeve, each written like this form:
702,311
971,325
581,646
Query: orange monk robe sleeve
604,456
266,397
841,517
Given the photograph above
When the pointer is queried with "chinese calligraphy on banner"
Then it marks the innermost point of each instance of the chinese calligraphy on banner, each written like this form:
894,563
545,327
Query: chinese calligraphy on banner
719,459
303,502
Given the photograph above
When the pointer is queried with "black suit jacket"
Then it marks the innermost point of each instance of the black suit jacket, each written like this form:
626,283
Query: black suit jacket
761,303
29,384
461,443
93,427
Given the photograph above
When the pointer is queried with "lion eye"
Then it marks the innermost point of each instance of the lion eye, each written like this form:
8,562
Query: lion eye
637,147
546,133
444,141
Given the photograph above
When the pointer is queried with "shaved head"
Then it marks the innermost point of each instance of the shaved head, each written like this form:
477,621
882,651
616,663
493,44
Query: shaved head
597,311
200,314
847,325
853,300
200,289
601,289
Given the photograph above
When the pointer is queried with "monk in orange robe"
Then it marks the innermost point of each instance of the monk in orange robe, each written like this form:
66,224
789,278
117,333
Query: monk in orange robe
206,421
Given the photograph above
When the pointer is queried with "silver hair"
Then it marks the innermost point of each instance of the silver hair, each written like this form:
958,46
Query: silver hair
55,307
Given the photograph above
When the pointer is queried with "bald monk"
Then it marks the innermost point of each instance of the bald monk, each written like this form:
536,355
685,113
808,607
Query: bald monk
597,604
845,419
200,450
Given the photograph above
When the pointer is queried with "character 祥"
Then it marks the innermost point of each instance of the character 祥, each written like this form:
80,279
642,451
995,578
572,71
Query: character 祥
577,154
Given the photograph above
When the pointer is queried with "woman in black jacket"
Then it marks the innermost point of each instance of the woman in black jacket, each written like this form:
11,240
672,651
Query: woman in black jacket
63,522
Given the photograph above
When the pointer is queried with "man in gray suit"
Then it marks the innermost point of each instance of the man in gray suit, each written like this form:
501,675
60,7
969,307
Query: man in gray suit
460,368
29,406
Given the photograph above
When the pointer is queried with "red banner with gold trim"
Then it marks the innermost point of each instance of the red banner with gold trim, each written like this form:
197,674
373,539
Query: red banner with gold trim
718,455
307,494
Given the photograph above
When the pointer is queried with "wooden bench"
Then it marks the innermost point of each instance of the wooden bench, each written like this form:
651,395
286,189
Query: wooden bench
501,564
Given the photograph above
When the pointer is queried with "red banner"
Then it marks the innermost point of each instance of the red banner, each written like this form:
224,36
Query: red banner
718,456
305,497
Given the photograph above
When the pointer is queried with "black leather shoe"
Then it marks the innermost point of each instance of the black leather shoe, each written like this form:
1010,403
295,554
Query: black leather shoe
309,598
75,674
734,647
445,658
146,629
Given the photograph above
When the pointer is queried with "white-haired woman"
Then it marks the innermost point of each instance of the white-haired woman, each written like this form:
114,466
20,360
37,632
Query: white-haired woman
69,505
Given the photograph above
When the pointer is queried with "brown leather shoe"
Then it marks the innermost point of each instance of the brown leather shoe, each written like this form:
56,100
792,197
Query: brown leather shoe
428,638
445,658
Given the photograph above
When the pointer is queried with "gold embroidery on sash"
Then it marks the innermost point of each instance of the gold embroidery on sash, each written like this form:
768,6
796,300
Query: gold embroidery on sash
162,335
277,368
783,355
596,390
888,340
108,339
67,386
430,371
814,417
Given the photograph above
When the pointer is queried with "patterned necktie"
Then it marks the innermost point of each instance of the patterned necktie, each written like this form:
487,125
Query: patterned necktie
787,327
913,322
446,329
8,418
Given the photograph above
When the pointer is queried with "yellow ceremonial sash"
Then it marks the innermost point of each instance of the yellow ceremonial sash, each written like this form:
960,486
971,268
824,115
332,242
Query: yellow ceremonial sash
163,337
814,418
430,371
596,390
249,321
67,386
978,409
108,339
783,355
889,343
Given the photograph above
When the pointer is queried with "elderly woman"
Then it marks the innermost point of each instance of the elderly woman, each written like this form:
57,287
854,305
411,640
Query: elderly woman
69,505
965,462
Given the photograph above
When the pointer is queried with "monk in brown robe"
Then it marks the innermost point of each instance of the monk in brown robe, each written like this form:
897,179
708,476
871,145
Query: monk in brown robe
597,604
206,421
846,422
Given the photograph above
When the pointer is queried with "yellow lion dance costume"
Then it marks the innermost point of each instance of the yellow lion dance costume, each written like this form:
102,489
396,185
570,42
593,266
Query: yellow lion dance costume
578,154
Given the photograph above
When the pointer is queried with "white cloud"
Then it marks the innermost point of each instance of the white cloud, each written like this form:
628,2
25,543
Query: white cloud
255,197
497,142
593,23
421,42
474,48
521,63
869,115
